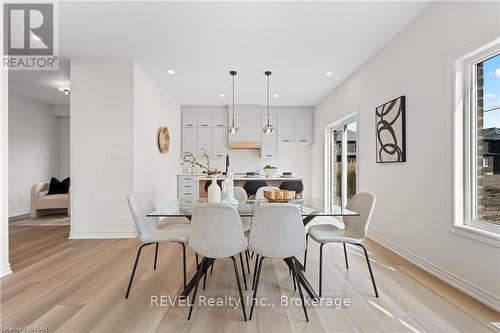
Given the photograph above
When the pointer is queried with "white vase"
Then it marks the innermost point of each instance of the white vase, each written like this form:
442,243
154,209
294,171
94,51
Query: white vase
214,191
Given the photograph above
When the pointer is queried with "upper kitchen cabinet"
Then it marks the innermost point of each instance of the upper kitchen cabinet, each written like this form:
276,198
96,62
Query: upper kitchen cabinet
219,142
205,120
303,129
249,125
219,120
286,128
189,120
204,141
268,145
189,142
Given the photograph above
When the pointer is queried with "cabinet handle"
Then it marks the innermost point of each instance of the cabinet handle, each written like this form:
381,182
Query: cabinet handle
286,140
187,193
303,140
189,125
269,155
204,125
219,155
187,178
220,125
186,186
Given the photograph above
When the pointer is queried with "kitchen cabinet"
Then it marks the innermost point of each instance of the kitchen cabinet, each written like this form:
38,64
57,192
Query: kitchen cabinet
204,141
250,128
219,142
189,142
204,120
303,129
219,120
187,186
189,120
286,128
268,145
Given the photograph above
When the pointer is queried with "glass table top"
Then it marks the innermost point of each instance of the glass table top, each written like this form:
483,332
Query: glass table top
309,207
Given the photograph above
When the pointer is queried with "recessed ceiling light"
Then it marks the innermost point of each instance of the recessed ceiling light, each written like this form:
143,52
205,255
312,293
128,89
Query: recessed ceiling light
276,95
222,95
328,73
61,89
171,71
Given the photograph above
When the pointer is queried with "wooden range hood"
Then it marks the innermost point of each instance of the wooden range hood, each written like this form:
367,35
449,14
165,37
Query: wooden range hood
244,145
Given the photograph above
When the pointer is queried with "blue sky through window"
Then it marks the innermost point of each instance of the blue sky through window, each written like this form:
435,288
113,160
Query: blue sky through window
491,69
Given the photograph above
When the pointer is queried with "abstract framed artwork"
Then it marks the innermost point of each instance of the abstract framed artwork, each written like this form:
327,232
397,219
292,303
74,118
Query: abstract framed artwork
390,122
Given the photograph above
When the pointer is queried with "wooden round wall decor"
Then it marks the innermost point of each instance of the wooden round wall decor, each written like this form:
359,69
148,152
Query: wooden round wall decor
163,140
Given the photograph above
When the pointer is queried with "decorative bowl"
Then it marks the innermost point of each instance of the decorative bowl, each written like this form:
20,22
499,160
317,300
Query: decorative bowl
279,195
270,172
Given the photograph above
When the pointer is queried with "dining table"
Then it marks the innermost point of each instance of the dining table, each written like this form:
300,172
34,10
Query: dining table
309,208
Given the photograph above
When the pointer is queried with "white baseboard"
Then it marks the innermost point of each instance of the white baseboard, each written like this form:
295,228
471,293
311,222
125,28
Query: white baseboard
101,234
20,212
5,270
467,287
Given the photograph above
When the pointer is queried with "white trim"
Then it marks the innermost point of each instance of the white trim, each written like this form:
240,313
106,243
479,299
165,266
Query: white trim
343,122
467,287
461,96
101,234
19,212
5,270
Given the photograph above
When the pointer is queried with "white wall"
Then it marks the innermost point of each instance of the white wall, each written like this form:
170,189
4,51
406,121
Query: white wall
33,149
101,129
4,167
64,147
155,173
417,195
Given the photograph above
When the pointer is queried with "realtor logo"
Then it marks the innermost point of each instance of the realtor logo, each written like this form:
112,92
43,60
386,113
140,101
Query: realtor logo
30,41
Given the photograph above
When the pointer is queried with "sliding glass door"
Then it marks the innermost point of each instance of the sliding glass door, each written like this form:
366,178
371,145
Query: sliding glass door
342,179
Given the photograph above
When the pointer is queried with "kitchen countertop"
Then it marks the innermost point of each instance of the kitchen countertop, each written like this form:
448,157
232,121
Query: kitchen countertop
277,178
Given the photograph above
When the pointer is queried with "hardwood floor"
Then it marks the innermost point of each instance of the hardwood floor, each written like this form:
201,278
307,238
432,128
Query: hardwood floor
78,286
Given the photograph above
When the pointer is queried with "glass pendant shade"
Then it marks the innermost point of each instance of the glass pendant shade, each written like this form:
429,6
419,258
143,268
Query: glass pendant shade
268,129
233,129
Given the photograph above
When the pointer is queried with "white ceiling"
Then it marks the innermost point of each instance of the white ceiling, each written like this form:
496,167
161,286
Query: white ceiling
202,42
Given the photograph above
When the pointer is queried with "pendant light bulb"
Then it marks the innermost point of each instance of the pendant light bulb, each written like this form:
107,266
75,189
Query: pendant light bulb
233,129
268,129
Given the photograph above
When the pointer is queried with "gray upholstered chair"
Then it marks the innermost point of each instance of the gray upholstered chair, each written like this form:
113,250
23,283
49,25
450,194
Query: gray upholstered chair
355,231
277,232
260,192
217,232
149,233
241,195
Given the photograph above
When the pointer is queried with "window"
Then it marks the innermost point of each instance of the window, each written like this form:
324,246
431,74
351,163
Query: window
477,143
341,157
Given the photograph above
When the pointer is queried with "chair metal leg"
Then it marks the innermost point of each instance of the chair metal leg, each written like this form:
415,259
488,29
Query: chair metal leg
255,271
243,270
293,278
135,267
320,267
305,252
369,268
247,255
212,268
196,256
184,263
256,285
204,280
345,255
239,287
198,277
294,267
156,255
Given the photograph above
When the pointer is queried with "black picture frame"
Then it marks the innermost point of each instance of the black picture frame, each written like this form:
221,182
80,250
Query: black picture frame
390,131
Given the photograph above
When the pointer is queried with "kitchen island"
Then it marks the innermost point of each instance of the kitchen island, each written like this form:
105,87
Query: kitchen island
193,185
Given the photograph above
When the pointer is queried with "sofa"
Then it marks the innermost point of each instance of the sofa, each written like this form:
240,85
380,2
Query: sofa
44,204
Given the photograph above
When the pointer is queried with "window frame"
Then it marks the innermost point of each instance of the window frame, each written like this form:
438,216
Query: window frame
329,129
466,144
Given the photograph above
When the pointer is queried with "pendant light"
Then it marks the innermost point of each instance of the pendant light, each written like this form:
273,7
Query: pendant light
268,129
233,129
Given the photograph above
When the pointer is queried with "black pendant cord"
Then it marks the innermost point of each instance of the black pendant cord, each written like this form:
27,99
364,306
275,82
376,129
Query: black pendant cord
233,73
268,96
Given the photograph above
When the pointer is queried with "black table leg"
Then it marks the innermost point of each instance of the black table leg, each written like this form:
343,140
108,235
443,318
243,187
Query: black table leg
203,266
301,278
